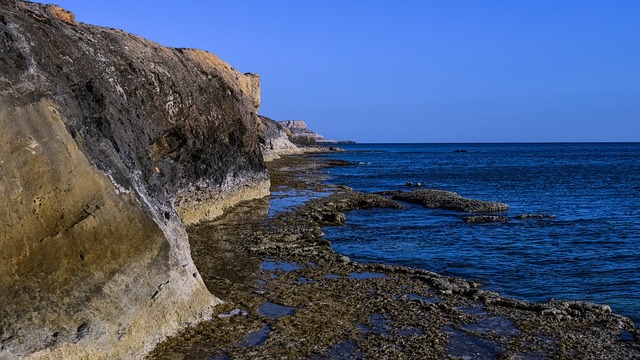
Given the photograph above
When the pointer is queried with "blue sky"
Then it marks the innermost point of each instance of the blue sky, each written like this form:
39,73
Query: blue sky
417,71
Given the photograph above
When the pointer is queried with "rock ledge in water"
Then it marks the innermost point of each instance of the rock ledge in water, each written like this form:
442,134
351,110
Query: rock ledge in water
447,200
480,219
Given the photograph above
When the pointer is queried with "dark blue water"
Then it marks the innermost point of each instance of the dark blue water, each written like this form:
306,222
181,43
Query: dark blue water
590,252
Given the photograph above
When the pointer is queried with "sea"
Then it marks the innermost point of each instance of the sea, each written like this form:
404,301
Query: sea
589,250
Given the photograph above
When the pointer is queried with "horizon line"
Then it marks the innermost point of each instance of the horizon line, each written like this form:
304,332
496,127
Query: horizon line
493,142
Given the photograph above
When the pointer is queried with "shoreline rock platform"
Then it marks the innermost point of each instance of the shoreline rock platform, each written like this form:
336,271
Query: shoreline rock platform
321,305
447,200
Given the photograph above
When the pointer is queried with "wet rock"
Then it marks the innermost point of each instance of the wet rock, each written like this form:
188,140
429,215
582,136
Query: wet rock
336,218
324,243
337,163
482,219
351,200
583,308
439,199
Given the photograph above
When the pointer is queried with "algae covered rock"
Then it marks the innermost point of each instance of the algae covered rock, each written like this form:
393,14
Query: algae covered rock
440,199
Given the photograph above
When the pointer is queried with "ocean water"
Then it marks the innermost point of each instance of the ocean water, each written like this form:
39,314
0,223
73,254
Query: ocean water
590,251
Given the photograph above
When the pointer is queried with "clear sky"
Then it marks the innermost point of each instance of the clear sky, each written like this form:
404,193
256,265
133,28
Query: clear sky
417,70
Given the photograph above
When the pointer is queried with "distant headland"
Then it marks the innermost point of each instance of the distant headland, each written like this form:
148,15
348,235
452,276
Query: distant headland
291,137
301,133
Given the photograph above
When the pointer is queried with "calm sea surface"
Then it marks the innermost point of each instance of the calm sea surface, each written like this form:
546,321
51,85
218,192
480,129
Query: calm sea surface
590,252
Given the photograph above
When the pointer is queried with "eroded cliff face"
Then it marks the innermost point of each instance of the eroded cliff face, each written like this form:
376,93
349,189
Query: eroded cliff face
274,139
108,144
300,133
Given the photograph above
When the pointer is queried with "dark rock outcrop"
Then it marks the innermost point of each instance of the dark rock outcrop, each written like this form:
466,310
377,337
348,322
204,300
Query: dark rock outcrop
483,219
332,212
108,144
439,199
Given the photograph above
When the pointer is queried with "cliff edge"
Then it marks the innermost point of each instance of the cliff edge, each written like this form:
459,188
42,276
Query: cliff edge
275,139
300,134
109,143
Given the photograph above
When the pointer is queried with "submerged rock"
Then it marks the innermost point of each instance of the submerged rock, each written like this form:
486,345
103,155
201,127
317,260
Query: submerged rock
535,216
108,144
439,199
485,219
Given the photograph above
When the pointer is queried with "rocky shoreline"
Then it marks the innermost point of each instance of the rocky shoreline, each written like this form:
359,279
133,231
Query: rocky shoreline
289,295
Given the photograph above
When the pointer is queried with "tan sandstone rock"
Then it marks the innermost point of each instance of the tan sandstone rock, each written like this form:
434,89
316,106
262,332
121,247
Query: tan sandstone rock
108,142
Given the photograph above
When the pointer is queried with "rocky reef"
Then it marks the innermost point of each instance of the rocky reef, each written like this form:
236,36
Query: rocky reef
289,295
440,199
109,143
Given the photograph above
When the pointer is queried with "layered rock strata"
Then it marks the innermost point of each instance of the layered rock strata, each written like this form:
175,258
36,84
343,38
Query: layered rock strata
108,143
275,139
300,133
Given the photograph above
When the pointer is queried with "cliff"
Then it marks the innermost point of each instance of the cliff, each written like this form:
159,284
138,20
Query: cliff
109,143
275,139
299,133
